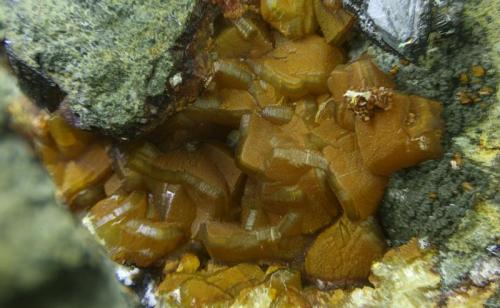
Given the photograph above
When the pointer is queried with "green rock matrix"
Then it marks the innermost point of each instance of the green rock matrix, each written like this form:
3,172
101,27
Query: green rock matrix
109,56
429,200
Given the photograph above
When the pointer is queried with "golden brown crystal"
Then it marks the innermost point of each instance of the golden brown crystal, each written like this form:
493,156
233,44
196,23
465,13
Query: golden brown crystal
313,142
344,252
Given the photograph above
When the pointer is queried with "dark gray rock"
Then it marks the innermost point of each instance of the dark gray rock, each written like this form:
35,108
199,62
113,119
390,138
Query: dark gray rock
403,27
122,65
400,26
33,82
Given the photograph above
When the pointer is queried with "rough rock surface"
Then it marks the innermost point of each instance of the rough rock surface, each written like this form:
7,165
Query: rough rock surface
118,61
46,258
430,200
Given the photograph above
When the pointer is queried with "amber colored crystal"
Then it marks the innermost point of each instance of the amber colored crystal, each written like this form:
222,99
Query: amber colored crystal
306,109
124,178
254,146
291,298
52,161
182,166
329,132
311,199
403,136
359,75
144,242
252,215
282,279
232,73
288,285
113,185
266,94
189,263
224,160
247,37
297,68
93,166
345,251
172,281
70,141
293,18
199,176
195,292
117,209
232,280
174,204
228,242
225,109
358,190
275,151
335,23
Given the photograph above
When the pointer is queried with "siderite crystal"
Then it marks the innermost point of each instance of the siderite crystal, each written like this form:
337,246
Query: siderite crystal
359,75
419,129
358,190
297,188
345,252
335,23
293,18
120,223
299,67
298,162
247,37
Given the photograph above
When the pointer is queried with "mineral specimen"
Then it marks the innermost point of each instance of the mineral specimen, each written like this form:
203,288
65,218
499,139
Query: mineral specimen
317,139
301,167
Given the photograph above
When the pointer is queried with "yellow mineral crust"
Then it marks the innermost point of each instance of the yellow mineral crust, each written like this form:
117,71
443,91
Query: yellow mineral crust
403,278
472,297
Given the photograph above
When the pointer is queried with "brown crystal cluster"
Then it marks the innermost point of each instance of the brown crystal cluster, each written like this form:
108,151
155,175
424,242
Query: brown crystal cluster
247,285
283,160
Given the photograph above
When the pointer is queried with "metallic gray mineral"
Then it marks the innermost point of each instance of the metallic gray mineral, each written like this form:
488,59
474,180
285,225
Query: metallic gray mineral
400,26
118,66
